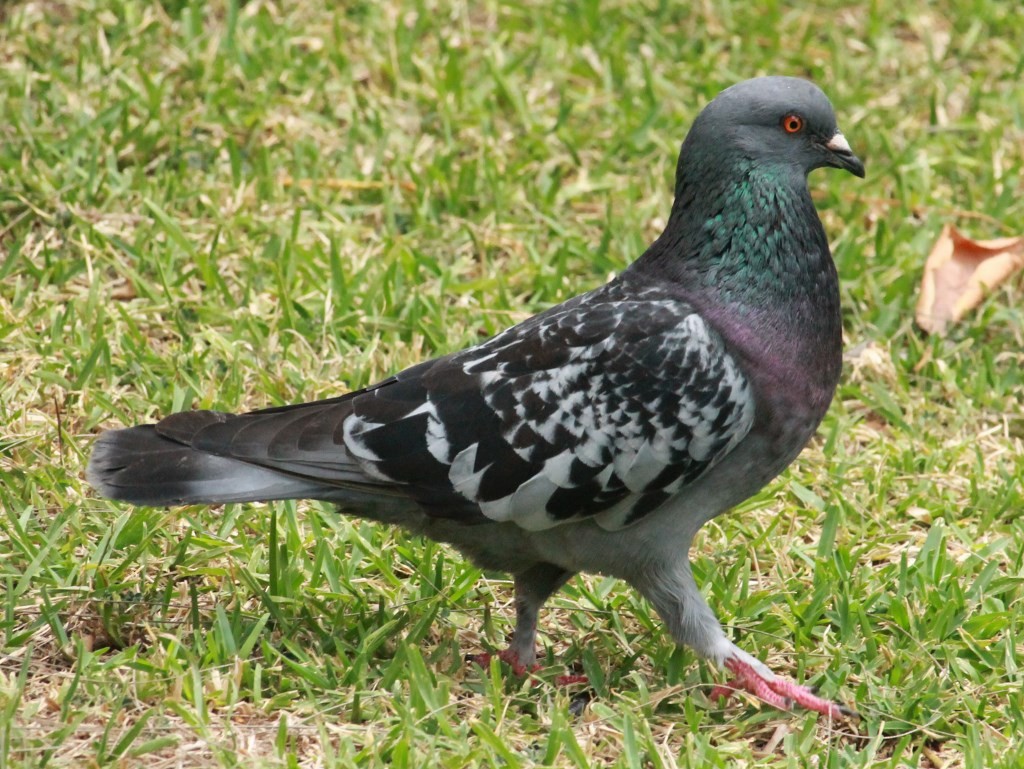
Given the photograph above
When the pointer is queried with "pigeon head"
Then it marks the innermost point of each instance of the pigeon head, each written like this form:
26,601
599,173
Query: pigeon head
783,124
743,236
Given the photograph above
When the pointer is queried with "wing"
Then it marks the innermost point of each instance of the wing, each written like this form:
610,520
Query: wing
595,408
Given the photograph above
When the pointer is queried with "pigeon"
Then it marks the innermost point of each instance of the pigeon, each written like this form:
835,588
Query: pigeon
599,435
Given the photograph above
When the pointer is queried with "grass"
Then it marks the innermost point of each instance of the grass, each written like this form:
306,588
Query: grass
215,205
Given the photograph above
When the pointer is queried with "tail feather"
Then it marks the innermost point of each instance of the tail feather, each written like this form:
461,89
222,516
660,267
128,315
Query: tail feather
141,466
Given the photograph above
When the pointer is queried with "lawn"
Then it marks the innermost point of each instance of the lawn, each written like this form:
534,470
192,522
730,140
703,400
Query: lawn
218,205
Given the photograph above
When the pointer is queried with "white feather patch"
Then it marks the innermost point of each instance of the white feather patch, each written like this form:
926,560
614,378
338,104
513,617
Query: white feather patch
354,428
644,468
528,503
498,510
557,469
437,436
462,475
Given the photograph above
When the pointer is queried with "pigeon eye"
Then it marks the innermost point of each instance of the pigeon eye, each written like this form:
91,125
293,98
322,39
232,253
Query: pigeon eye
792,124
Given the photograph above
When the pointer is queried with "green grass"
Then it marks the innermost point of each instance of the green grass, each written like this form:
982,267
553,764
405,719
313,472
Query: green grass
230,207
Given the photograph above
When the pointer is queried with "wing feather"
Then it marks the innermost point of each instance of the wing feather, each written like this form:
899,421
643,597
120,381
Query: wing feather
603,407
597,408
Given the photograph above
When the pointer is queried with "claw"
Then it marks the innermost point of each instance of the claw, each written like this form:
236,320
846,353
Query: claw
779,692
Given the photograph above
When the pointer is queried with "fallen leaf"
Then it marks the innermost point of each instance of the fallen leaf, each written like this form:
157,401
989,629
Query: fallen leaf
959,272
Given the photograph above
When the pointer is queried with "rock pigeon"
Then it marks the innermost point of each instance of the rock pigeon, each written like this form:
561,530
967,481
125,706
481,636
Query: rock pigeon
601,434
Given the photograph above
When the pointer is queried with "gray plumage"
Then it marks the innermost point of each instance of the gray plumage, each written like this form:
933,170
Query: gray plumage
600,435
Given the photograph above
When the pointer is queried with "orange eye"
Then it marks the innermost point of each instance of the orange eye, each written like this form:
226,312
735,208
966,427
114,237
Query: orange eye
792,124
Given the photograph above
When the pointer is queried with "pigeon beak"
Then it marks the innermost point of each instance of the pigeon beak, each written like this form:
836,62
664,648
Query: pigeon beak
842,156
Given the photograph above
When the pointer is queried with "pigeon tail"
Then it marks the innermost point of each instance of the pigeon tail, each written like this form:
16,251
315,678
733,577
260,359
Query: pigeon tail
144,467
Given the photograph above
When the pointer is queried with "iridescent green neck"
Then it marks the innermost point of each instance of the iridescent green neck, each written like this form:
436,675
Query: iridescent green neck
750,239
750,256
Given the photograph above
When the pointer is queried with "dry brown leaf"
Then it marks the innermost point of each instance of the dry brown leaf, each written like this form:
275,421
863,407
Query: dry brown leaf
959,272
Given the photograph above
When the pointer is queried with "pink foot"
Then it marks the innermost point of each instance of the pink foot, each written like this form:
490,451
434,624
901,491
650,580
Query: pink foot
507,656
511,659
776,691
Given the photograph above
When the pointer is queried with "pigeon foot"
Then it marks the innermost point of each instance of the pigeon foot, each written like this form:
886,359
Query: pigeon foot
778,692
511,659
507,656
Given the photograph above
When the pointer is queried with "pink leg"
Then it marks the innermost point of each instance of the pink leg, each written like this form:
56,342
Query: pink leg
533,586
776,691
